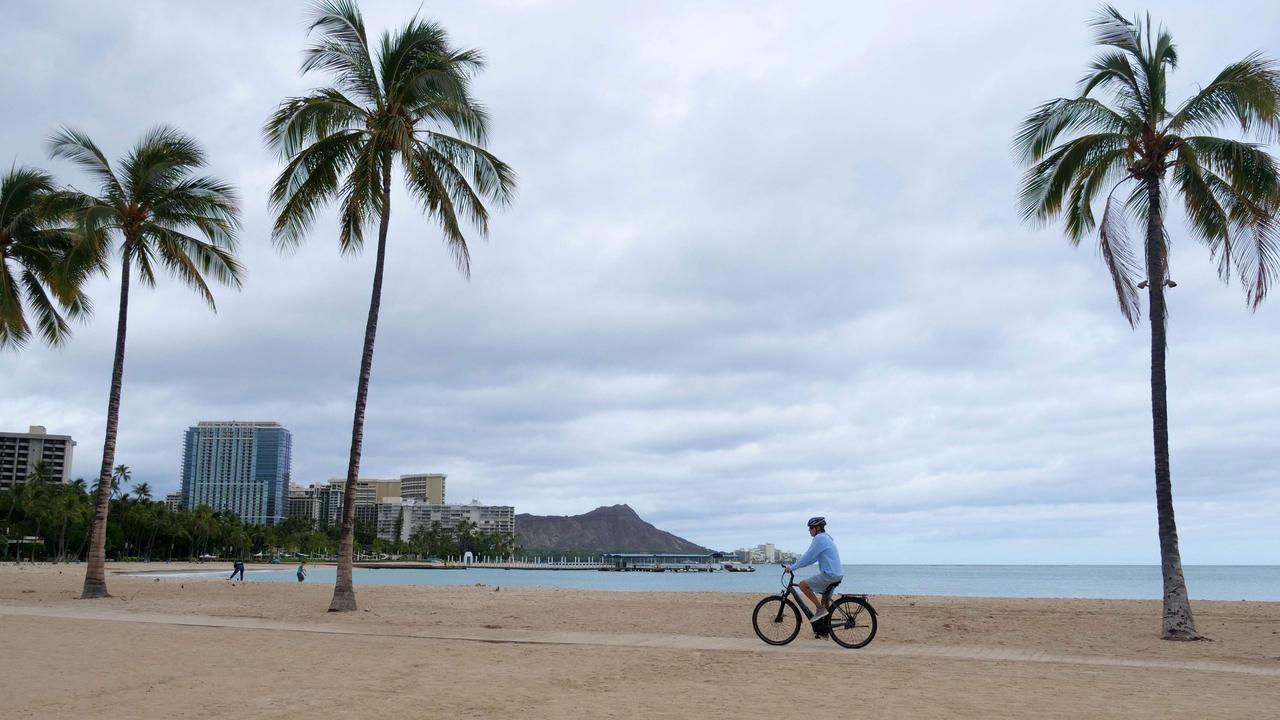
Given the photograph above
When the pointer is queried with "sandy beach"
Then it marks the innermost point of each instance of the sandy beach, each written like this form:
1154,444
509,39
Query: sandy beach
206,648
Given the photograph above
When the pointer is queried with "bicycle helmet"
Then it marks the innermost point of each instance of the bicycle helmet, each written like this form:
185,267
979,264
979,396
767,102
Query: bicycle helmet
817,522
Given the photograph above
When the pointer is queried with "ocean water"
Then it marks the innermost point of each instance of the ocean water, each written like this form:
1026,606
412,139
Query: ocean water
1136,582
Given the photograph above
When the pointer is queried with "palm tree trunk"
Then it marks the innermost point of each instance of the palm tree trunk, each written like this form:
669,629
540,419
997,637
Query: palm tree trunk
344,594
1178,623
95,576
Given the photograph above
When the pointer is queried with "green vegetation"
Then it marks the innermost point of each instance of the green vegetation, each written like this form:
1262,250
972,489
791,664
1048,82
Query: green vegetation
408,103
37,261
1230,191
144,529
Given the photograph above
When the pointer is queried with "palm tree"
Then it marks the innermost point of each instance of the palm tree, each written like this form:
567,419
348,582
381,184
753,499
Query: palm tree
120,477
408,102
41,472
142,490
37,260
1079,148
152,205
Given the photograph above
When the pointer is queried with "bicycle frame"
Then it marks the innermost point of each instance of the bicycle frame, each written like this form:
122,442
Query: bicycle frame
793,591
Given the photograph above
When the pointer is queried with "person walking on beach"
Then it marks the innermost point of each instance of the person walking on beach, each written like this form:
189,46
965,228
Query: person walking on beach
822,550
237,567
302,571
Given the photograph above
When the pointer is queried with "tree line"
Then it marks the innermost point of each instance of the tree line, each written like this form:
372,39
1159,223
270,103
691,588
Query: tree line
59,517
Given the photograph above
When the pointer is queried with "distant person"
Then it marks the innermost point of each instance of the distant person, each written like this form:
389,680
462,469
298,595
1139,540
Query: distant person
822,550
302,571
237,568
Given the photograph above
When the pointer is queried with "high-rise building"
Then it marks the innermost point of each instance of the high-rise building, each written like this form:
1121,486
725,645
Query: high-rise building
321,504
19,453
173,501
370,492
423,487
238,466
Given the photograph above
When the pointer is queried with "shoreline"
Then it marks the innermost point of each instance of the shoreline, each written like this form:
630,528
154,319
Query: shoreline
591,581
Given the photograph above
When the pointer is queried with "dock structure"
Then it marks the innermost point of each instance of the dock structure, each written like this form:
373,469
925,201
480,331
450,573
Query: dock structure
536,563
664,562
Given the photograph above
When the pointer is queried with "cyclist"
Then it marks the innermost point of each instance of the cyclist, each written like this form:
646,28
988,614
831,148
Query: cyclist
822,551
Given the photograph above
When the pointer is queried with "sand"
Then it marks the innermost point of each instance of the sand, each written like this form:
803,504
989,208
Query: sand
200,648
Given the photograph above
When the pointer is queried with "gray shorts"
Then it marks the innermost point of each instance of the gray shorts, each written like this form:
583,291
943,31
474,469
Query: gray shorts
821,582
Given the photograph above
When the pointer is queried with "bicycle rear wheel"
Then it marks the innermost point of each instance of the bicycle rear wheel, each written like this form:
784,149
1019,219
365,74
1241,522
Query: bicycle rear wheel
776,621
853,622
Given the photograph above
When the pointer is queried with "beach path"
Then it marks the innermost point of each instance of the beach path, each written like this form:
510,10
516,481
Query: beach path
209,649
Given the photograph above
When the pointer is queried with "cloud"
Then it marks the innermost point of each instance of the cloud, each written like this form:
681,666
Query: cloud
764,264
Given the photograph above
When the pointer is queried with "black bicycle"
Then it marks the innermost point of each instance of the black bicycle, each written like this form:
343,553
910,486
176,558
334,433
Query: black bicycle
851,621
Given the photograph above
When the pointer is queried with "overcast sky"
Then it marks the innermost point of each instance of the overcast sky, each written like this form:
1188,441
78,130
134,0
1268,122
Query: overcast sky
765,263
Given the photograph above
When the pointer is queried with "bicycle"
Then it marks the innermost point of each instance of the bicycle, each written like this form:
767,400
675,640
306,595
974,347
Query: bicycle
851,621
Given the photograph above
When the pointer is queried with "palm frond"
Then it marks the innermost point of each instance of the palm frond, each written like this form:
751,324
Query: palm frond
492,179
308,182
342,49
53,327
1042,128
1112,28
14,329
173,256
315,116
423,174
36,241
1254,242
205,203
160,160
1105,169
191,260
77,147
1113,248
1205,212
1249,169
142,256
1246,93
361,200
1045,185
1115,72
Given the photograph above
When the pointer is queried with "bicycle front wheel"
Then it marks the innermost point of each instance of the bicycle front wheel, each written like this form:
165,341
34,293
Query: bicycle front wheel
853,622
776,620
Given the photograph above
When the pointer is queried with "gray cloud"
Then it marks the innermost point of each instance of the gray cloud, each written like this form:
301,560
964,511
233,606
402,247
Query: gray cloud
765,263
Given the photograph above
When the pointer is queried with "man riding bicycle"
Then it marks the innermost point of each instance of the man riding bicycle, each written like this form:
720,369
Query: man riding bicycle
822,551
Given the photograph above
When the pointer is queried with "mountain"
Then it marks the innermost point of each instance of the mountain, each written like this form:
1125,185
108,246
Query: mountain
605,529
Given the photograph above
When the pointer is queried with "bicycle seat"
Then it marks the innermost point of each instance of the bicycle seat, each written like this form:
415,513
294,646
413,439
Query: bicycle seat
831,590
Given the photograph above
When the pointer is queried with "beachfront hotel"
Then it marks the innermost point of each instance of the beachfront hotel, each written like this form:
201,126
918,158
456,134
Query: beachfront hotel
399,519
19,453
238,466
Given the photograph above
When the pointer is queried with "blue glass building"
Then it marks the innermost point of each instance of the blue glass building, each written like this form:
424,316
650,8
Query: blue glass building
238,466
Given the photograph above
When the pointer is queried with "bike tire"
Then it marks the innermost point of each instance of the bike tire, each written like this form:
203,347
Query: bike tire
852,622
776,620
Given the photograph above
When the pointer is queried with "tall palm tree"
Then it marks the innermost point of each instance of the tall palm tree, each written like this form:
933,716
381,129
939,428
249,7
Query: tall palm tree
1131,149
142,490
151,209
408,103
37,260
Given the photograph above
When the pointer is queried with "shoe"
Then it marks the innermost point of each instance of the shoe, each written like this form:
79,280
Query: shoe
819,617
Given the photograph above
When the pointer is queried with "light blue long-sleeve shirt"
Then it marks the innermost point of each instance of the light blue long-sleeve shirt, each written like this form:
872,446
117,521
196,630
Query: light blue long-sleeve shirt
823,551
